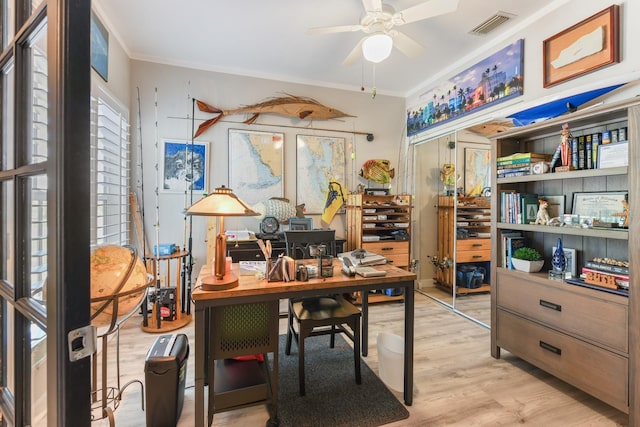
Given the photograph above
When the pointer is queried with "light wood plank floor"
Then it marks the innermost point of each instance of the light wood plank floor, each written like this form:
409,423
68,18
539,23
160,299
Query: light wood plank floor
457,382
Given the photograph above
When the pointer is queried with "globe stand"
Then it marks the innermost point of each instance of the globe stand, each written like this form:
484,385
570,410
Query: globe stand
106,399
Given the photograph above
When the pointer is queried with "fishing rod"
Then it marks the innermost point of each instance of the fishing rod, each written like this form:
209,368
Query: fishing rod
184,236
157,224
190,256
145,321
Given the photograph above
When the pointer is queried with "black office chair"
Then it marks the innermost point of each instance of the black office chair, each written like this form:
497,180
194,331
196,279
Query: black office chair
326,315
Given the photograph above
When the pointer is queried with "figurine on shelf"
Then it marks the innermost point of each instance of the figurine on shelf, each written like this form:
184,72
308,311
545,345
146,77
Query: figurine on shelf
624,215
542,217
565,145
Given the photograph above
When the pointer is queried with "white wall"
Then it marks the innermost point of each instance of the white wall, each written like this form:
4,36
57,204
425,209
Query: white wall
381,116
567,14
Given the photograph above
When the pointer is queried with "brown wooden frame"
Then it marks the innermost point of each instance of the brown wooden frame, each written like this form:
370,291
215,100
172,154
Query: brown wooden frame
609,18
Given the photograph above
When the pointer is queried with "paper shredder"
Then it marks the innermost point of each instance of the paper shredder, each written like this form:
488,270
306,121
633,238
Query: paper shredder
165,372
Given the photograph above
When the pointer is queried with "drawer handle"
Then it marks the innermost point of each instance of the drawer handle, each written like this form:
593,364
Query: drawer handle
551,348
477,256
387,249
553,306
477,244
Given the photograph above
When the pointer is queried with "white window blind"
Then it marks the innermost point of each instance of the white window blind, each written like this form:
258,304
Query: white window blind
110,173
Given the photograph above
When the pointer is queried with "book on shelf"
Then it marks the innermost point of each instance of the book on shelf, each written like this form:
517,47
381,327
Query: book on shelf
508,237
610,268
513,244
512,174
605,279
530,204
515,167
532,157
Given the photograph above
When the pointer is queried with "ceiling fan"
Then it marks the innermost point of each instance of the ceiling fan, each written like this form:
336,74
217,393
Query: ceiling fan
378,25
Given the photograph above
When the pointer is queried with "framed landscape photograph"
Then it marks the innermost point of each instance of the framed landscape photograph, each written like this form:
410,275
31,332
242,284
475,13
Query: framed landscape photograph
585,47
184,166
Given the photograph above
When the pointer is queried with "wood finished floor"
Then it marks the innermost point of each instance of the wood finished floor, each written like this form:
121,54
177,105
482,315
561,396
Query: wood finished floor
457,382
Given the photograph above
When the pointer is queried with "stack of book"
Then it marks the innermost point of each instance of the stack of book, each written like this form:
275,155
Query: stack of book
605,275
518,208
519,164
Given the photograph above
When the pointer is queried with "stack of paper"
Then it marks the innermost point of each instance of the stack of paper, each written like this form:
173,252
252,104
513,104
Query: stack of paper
369,258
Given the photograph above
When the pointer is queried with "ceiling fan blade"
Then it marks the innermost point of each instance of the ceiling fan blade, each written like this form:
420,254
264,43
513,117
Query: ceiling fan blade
406,44
372,5
335,29
424,10
355,55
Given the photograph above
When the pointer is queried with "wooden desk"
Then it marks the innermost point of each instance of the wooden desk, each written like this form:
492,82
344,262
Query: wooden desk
252,290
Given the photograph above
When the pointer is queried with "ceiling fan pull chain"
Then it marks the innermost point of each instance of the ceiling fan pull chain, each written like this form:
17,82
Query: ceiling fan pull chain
373,89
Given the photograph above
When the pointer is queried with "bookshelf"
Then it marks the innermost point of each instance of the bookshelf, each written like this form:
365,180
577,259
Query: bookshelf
585,336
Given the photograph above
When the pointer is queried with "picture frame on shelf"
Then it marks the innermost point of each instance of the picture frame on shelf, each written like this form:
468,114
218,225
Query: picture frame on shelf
582,48
184,166
613,155
556,205
601,207
477,170
571,269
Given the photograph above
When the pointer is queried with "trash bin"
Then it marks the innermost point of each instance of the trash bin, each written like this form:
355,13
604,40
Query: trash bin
391,360
165,372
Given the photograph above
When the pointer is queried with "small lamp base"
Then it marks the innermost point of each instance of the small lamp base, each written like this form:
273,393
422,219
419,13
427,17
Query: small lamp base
211,283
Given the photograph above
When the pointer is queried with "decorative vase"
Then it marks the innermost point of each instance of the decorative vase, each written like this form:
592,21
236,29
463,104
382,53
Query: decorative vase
558,260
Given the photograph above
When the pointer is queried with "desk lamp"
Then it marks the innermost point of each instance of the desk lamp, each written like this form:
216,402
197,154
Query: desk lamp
221,203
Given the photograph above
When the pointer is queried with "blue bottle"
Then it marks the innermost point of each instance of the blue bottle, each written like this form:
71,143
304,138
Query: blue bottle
558,260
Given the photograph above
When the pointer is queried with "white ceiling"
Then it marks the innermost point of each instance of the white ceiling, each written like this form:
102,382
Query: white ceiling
267,38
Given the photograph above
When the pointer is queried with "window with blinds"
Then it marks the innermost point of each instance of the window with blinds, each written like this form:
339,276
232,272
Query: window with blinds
110,174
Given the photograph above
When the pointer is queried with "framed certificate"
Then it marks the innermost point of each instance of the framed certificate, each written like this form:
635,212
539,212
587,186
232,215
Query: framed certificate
613,155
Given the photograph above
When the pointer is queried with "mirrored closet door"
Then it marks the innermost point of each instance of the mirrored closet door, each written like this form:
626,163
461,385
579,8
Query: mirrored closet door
453,246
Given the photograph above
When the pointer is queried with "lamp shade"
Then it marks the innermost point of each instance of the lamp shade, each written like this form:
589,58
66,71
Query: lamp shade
377,47
222,202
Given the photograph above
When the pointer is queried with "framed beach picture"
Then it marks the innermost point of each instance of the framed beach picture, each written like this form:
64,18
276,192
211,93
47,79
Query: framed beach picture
320,159
185,166
256,164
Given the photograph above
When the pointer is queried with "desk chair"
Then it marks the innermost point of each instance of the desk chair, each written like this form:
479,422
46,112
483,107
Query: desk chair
326,315
243,330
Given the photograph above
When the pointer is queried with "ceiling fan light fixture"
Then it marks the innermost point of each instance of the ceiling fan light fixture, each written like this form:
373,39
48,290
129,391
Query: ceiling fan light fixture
377,47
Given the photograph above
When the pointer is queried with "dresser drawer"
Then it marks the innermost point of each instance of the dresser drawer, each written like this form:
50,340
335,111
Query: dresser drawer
473,245
588,367
591,318
395,251
473,256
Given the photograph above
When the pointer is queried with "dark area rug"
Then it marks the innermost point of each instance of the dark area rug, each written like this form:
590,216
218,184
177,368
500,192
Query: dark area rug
333,399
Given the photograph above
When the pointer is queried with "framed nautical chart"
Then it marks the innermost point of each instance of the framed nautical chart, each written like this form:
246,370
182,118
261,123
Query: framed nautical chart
256,165
319,160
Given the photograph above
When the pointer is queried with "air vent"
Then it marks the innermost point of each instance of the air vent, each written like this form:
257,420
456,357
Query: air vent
492,23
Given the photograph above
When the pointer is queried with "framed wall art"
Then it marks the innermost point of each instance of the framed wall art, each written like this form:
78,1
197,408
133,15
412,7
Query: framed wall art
477,171
99,47
319,160
256,165
300,224
585,47
184,166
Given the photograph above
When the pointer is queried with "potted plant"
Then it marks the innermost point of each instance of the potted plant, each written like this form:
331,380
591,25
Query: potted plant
527,259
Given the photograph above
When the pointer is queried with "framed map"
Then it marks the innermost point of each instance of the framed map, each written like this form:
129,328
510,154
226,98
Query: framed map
319,159
185,166
256,165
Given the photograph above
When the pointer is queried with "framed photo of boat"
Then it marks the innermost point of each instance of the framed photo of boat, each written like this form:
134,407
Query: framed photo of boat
585,47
